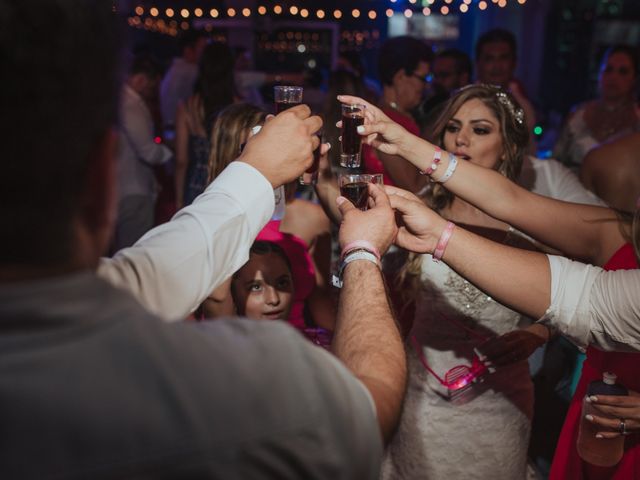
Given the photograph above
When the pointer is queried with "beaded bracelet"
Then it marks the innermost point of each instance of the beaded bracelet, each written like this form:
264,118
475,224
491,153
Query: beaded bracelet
359,254
443,241
453,163
437,156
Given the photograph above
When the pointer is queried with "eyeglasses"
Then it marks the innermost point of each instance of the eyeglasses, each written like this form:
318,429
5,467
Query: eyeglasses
426,79
460,377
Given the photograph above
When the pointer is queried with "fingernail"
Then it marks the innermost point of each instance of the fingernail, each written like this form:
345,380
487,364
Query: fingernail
491,370
589,417
480,356
599,435
328,146
360,129
592,398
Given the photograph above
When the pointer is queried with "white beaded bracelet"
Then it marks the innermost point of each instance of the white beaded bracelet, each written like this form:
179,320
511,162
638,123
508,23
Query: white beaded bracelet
360,254
453,163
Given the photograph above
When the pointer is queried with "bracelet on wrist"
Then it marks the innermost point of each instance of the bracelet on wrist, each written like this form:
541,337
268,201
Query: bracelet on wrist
358,254
361,245
453,164
443,241
437,156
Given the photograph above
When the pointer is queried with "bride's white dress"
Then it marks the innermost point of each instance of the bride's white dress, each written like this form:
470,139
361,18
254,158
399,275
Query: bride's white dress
483,433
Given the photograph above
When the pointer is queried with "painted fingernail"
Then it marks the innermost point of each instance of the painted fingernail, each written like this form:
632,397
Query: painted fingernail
599,435
491,370
592,398
360,129
328,146
589,417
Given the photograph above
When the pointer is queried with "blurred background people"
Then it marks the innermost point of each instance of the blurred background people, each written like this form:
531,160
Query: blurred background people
138,154
613,113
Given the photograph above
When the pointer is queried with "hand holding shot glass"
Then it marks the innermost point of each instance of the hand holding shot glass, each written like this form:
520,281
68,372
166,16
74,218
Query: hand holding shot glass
286,97
352,117
355,187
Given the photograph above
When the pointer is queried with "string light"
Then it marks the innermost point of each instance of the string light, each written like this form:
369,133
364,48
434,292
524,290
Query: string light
304,13
198,12
262,10
464,7
444,10
246,12
320,14
482,5
214,13
372,14
184,13
231,12
139,10
408,13
154,12
502,3
522,2
389,13
169,12
337,14
355,13
293,10
277,9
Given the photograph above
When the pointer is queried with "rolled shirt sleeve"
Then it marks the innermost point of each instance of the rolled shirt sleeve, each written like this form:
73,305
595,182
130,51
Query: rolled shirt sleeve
591,306
174,266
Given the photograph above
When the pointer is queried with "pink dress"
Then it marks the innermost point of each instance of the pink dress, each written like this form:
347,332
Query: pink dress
372,163
567,464
302,269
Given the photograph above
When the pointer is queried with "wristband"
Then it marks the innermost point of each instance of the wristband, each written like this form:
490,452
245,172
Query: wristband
352,257
453,163
437,156
360,245
443,241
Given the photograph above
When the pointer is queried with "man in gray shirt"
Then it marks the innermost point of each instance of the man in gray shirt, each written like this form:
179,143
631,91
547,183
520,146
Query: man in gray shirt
92,385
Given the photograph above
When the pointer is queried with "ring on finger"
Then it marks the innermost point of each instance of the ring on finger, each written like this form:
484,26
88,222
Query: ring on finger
622,427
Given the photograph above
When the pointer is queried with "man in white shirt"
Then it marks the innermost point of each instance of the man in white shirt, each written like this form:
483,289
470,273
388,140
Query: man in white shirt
138,154
177,84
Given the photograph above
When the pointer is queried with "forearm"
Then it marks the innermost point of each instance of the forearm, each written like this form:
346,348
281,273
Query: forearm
403,174
327,191
514,277
175,266
368,342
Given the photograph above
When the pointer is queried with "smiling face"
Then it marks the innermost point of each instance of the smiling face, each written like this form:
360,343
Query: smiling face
617,77
263,287
473,133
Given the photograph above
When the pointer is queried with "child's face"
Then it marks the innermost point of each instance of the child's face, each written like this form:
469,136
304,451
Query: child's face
264,288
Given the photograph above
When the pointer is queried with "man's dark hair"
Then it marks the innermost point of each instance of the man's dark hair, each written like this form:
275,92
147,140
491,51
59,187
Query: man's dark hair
494,36
401,53
462,60
146,64
189,38
60,80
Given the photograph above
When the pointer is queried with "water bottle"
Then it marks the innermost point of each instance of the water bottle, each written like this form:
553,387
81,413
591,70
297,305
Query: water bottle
602,452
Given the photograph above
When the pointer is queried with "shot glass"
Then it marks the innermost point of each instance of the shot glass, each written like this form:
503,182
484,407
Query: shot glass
310,174
355,188
286,97
352,118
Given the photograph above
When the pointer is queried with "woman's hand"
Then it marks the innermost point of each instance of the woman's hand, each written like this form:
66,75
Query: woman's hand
380,131
626,407
515,346
419,227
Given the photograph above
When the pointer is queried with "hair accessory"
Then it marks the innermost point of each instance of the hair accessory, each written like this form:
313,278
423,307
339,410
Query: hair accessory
516,113
437,156
453,164
358,254
443,241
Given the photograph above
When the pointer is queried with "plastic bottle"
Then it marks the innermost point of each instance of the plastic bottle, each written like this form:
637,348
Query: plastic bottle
603,452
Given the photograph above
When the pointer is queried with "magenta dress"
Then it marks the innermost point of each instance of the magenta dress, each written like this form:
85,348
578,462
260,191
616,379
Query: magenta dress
567,464
302,269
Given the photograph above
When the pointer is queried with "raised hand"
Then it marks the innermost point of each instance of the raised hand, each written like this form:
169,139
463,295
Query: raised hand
376,225
419,227
513,347
283,149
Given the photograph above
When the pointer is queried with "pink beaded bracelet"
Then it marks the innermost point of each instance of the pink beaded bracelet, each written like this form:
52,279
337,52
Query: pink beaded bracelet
437,156
443,241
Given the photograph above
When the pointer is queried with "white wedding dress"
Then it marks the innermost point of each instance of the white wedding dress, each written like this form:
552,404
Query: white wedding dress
482,433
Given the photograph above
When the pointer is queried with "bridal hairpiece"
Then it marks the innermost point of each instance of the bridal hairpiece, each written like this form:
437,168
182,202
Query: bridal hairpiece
517,113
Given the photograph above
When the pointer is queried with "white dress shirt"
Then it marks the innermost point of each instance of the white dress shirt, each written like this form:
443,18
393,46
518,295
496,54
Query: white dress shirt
175,266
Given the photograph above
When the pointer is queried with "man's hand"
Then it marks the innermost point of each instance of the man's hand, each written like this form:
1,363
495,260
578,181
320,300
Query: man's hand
515,346
419,226
283,149
375,225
